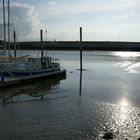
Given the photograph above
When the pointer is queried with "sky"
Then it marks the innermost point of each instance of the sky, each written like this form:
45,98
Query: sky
101,20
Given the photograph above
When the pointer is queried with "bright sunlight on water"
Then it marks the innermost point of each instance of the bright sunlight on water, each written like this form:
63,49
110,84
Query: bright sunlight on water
127,54
124,102
102,102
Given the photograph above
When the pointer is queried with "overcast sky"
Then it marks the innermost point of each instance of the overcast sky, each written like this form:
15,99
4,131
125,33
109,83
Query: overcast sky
102,20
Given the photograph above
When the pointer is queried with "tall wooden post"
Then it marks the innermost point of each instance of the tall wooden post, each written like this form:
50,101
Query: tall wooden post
42,45
14,34
81,47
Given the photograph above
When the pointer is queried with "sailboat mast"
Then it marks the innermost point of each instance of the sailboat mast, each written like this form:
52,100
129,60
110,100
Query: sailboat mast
9,29
4,28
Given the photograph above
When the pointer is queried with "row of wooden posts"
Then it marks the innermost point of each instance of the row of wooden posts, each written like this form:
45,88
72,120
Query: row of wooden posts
81,47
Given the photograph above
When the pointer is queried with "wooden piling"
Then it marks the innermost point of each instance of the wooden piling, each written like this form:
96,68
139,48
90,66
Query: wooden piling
42,45
81,47
14,34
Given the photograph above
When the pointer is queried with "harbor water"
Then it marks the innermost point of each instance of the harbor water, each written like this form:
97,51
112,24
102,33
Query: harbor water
101,102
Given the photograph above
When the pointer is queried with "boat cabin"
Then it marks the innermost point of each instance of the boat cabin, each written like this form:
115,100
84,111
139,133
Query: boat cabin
35,63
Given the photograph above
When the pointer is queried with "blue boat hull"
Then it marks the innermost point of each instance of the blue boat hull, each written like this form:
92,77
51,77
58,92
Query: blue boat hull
28,73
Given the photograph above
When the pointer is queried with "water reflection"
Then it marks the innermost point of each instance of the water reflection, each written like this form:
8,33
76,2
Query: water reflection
127,54
124,102
108,112
134,68
129,66
37,89
80,86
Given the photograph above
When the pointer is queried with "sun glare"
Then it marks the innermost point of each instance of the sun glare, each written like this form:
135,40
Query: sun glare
127,54
124,102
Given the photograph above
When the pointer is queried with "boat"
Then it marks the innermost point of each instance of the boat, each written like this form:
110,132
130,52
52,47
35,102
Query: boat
15,70
29,66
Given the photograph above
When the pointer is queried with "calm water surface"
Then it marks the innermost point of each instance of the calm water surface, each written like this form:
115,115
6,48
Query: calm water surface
103,99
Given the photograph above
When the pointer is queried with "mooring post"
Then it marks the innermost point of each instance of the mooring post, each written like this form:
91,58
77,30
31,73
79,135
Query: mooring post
42,45
81,47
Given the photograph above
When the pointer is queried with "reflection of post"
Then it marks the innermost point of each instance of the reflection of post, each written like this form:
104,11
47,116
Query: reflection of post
81,47
80,86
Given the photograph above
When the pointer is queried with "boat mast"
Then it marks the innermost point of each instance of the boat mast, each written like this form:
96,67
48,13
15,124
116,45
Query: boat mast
9,29
4,28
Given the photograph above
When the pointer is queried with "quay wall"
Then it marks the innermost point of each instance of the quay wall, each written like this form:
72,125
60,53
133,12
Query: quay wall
75,45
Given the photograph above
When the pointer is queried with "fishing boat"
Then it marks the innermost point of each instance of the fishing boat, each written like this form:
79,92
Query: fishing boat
14,70
29,66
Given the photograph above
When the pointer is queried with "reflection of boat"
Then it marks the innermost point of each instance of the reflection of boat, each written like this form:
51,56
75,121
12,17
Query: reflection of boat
38,89
15,70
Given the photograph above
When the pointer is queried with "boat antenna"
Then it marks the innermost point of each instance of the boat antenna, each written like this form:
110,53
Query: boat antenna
4,27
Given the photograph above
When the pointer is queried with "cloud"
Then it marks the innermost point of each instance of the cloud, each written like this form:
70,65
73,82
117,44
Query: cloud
64,7
100,19
26,21
51,3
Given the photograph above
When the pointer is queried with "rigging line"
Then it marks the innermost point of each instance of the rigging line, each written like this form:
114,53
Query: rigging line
13,21
4,27
8,10
1,24
1,11
11,16
15,11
